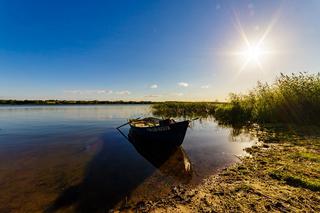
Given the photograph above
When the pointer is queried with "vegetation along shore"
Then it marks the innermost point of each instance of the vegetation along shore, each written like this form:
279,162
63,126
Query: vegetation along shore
290,99
280,175
282,172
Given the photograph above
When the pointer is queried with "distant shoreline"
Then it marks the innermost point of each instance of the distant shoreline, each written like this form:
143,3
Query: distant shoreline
68,102
82,102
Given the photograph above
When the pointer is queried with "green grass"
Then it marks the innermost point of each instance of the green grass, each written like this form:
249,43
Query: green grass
308,156
293,99
297,181
281,174
185,109
290,99
279,177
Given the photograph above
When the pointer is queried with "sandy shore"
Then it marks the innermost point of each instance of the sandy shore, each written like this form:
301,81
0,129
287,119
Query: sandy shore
282,176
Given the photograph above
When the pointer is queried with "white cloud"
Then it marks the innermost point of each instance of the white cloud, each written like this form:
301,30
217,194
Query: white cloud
154,86
205,86
183,84
104,91
89,92
97,92
124,92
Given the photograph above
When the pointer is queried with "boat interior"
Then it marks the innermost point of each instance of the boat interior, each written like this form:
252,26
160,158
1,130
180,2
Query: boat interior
150,122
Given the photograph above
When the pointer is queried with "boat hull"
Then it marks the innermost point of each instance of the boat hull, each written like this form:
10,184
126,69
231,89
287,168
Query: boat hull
170,135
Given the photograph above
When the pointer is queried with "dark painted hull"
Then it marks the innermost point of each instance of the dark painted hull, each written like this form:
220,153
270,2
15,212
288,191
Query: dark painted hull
170,135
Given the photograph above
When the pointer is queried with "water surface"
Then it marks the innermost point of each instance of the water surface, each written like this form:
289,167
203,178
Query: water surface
71,158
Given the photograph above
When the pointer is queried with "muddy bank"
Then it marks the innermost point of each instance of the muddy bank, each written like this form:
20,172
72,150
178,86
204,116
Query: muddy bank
282,176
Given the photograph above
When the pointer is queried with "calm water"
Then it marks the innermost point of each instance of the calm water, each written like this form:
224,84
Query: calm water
71,158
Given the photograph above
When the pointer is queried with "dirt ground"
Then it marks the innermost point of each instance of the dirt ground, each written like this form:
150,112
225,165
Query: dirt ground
276,177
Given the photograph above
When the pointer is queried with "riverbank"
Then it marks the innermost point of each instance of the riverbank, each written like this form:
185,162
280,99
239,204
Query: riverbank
281,174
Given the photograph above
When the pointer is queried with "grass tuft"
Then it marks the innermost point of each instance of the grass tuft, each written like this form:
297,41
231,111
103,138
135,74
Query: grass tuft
310,156
297,181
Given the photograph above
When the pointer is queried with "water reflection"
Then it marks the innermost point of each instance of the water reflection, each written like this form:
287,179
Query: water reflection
71,158
170,160
109,178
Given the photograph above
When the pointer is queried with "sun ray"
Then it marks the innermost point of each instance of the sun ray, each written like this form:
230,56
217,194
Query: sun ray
240,28
254,51
244,65
269,28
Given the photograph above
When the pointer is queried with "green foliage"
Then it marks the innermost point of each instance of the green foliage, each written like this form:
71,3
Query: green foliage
290,99
231,113
297,181
184,109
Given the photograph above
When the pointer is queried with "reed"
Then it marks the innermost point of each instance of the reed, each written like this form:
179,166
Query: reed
291,98
184,109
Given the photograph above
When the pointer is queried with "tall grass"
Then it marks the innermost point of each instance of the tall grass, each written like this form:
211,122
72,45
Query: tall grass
291,98
184,109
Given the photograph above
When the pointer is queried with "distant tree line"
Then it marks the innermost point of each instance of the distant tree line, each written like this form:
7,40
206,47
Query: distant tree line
68,102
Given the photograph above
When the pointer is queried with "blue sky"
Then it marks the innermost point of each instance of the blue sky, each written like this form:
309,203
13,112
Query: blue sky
151,50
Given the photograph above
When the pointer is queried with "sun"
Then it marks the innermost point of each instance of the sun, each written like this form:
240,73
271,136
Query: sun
253,53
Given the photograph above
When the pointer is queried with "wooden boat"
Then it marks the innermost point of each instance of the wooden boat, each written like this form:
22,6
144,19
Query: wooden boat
164,132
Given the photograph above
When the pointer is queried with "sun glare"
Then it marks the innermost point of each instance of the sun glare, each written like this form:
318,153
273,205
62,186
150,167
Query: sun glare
253,53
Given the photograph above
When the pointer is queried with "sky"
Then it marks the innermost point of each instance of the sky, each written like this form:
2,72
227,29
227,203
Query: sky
152,50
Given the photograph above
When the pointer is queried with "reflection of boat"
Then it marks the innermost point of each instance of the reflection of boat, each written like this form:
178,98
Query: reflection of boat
171,161
167,132
158,141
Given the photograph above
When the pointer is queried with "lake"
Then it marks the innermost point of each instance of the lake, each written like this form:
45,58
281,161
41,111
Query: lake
71,158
